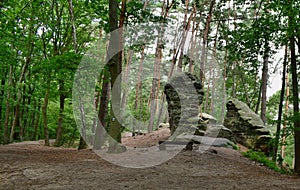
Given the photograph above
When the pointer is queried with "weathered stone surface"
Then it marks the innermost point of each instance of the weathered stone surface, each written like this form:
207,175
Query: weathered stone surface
247,127
215,130
208,141
208,118
184,95
164,125
219,131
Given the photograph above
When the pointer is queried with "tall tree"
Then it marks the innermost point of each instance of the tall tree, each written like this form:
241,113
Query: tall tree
277,135
30,45
266,36
115,69
291,36
204,40
166,6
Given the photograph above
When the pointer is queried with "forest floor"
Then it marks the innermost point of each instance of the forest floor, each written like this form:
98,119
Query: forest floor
31,165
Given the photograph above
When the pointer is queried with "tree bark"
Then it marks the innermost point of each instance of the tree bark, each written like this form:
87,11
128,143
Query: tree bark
36,121
258,99
7,111
44,112
277,136
103,110
126,77
193,42
186,25
285,123
59,130
138,88
295,101
115,69
265,82
73,26
1,101
156,73
16,121
204,41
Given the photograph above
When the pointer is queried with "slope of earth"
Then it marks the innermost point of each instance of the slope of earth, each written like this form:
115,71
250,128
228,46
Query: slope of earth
34,166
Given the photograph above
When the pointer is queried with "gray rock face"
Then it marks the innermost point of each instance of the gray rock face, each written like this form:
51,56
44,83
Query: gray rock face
184,95
247,127
208,141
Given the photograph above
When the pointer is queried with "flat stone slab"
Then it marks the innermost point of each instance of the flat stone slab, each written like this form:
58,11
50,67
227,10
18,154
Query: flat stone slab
209,141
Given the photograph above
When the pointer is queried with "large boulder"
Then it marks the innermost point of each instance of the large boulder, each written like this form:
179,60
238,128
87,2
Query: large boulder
184,95
247,127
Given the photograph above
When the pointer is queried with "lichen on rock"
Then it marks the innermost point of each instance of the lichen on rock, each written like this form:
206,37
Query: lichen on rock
184,95
247,127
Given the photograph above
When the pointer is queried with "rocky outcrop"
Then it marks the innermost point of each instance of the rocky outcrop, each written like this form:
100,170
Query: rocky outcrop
214,129
184,95
247,127
208,141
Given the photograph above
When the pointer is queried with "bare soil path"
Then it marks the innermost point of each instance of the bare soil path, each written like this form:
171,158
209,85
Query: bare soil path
33,166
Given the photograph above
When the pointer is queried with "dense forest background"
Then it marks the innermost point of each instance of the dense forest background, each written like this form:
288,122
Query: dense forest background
42,43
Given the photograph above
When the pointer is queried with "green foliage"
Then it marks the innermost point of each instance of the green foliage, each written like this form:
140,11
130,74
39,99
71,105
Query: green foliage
263,159
70,130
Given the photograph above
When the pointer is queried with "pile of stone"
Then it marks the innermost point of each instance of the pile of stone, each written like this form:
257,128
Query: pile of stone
247,127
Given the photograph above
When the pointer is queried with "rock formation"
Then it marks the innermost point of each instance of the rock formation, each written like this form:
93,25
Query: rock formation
184,95
246,126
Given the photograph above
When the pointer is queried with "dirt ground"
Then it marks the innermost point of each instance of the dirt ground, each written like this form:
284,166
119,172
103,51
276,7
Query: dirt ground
31,165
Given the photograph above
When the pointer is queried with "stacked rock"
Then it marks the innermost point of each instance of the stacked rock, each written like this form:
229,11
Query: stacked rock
247,127
184,95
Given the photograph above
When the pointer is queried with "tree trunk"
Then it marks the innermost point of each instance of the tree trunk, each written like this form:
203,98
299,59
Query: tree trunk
115,69
16,121
138,88
277,136
7,111
126,76
73,26
234,83
1,102
258,99
265,82
59,130
22,112
44,112
242,74
193,43
285,123
295,101
154,88
103,110
204,41
156,73
186,24
82,144
32,31
36,121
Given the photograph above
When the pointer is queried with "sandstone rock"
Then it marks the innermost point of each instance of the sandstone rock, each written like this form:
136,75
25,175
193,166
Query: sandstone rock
219,131
208,141
247,127
215,130
184,95
209,118
164,125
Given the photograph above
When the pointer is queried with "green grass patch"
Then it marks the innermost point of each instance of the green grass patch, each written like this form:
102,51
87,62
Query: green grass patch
263,159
